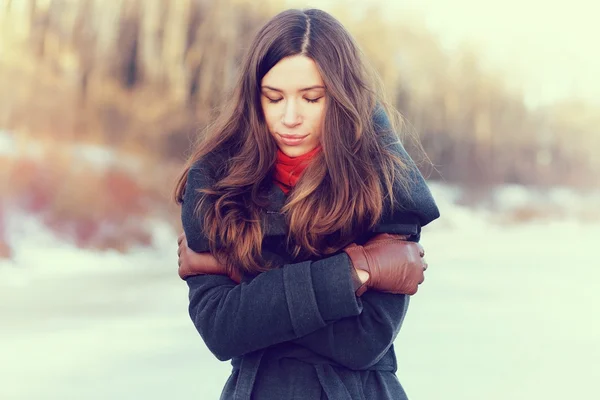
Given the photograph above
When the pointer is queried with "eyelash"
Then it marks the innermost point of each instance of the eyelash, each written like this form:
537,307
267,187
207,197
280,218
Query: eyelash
308,100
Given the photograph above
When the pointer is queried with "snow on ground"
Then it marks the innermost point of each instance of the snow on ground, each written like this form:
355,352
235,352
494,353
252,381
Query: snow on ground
507,311
78,324
98,156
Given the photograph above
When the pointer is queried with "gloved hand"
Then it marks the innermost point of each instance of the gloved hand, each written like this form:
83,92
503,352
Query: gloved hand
192,263
394,264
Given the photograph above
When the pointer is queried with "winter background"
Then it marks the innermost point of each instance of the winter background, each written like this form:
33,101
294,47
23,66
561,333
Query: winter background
91,306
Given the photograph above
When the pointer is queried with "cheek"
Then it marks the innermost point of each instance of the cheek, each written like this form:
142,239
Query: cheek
318,118
269,115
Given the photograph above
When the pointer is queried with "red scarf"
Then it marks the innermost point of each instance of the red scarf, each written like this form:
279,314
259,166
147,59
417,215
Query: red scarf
289,169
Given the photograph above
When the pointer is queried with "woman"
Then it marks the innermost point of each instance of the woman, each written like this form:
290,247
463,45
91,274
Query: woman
301,213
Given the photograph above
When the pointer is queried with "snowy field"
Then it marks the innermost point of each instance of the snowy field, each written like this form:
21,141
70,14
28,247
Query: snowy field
507,311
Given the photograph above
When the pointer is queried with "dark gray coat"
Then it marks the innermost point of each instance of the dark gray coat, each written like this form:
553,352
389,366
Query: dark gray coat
299,331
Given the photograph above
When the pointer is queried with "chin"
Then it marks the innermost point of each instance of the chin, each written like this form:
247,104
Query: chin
293,151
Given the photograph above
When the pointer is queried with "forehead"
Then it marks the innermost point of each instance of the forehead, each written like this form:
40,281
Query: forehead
293,73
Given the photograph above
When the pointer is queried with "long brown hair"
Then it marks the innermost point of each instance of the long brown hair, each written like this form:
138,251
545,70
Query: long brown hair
344,189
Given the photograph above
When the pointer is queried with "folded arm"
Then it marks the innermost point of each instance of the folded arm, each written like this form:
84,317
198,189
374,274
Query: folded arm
311,303
359,342
277,306
370,333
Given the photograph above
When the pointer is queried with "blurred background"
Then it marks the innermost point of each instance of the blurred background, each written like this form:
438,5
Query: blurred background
100,102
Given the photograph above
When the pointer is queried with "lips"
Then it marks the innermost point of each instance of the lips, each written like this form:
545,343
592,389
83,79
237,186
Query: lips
292,140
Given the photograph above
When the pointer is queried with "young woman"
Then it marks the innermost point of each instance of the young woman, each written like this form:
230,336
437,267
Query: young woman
302,213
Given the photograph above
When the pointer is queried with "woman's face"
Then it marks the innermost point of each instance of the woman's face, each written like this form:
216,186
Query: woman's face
293,102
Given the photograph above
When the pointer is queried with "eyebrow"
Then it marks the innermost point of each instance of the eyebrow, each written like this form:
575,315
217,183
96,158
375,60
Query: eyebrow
301,90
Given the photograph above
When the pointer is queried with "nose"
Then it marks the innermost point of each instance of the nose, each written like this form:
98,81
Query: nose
291,117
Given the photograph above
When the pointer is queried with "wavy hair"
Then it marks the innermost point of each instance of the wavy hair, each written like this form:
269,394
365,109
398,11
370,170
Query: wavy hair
342,192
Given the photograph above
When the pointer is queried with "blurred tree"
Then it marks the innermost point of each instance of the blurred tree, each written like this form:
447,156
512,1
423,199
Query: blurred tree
147,74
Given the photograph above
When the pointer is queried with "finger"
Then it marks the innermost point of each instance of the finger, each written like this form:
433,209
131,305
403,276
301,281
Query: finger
180,238
179,262
425,266
421,250
179,252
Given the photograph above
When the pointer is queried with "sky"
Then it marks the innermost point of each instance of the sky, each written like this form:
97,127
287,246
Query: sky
549,48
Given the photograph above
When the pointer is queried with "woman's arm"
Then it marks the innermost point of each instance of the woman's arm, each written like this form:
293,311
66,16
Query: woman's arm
277,306
369,334
359,342
290,303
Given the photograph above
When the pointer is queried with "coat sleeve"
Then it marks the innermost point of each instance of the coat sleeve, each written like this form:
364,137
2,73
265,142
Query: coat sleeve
415,198
277,306
359,342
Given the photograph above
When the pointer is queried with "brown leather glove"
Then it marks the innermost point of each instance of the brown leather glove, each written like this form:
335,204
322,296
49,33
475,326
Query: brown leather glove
192,263
394,264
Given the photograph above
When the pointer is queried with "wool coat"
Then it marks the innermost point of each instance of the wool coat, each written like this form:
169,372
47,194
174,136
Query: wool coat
298,331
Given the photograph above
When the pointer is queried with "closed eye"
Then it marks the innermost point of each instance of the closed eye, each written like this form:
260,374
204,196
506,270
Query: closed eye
313,100
275,101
